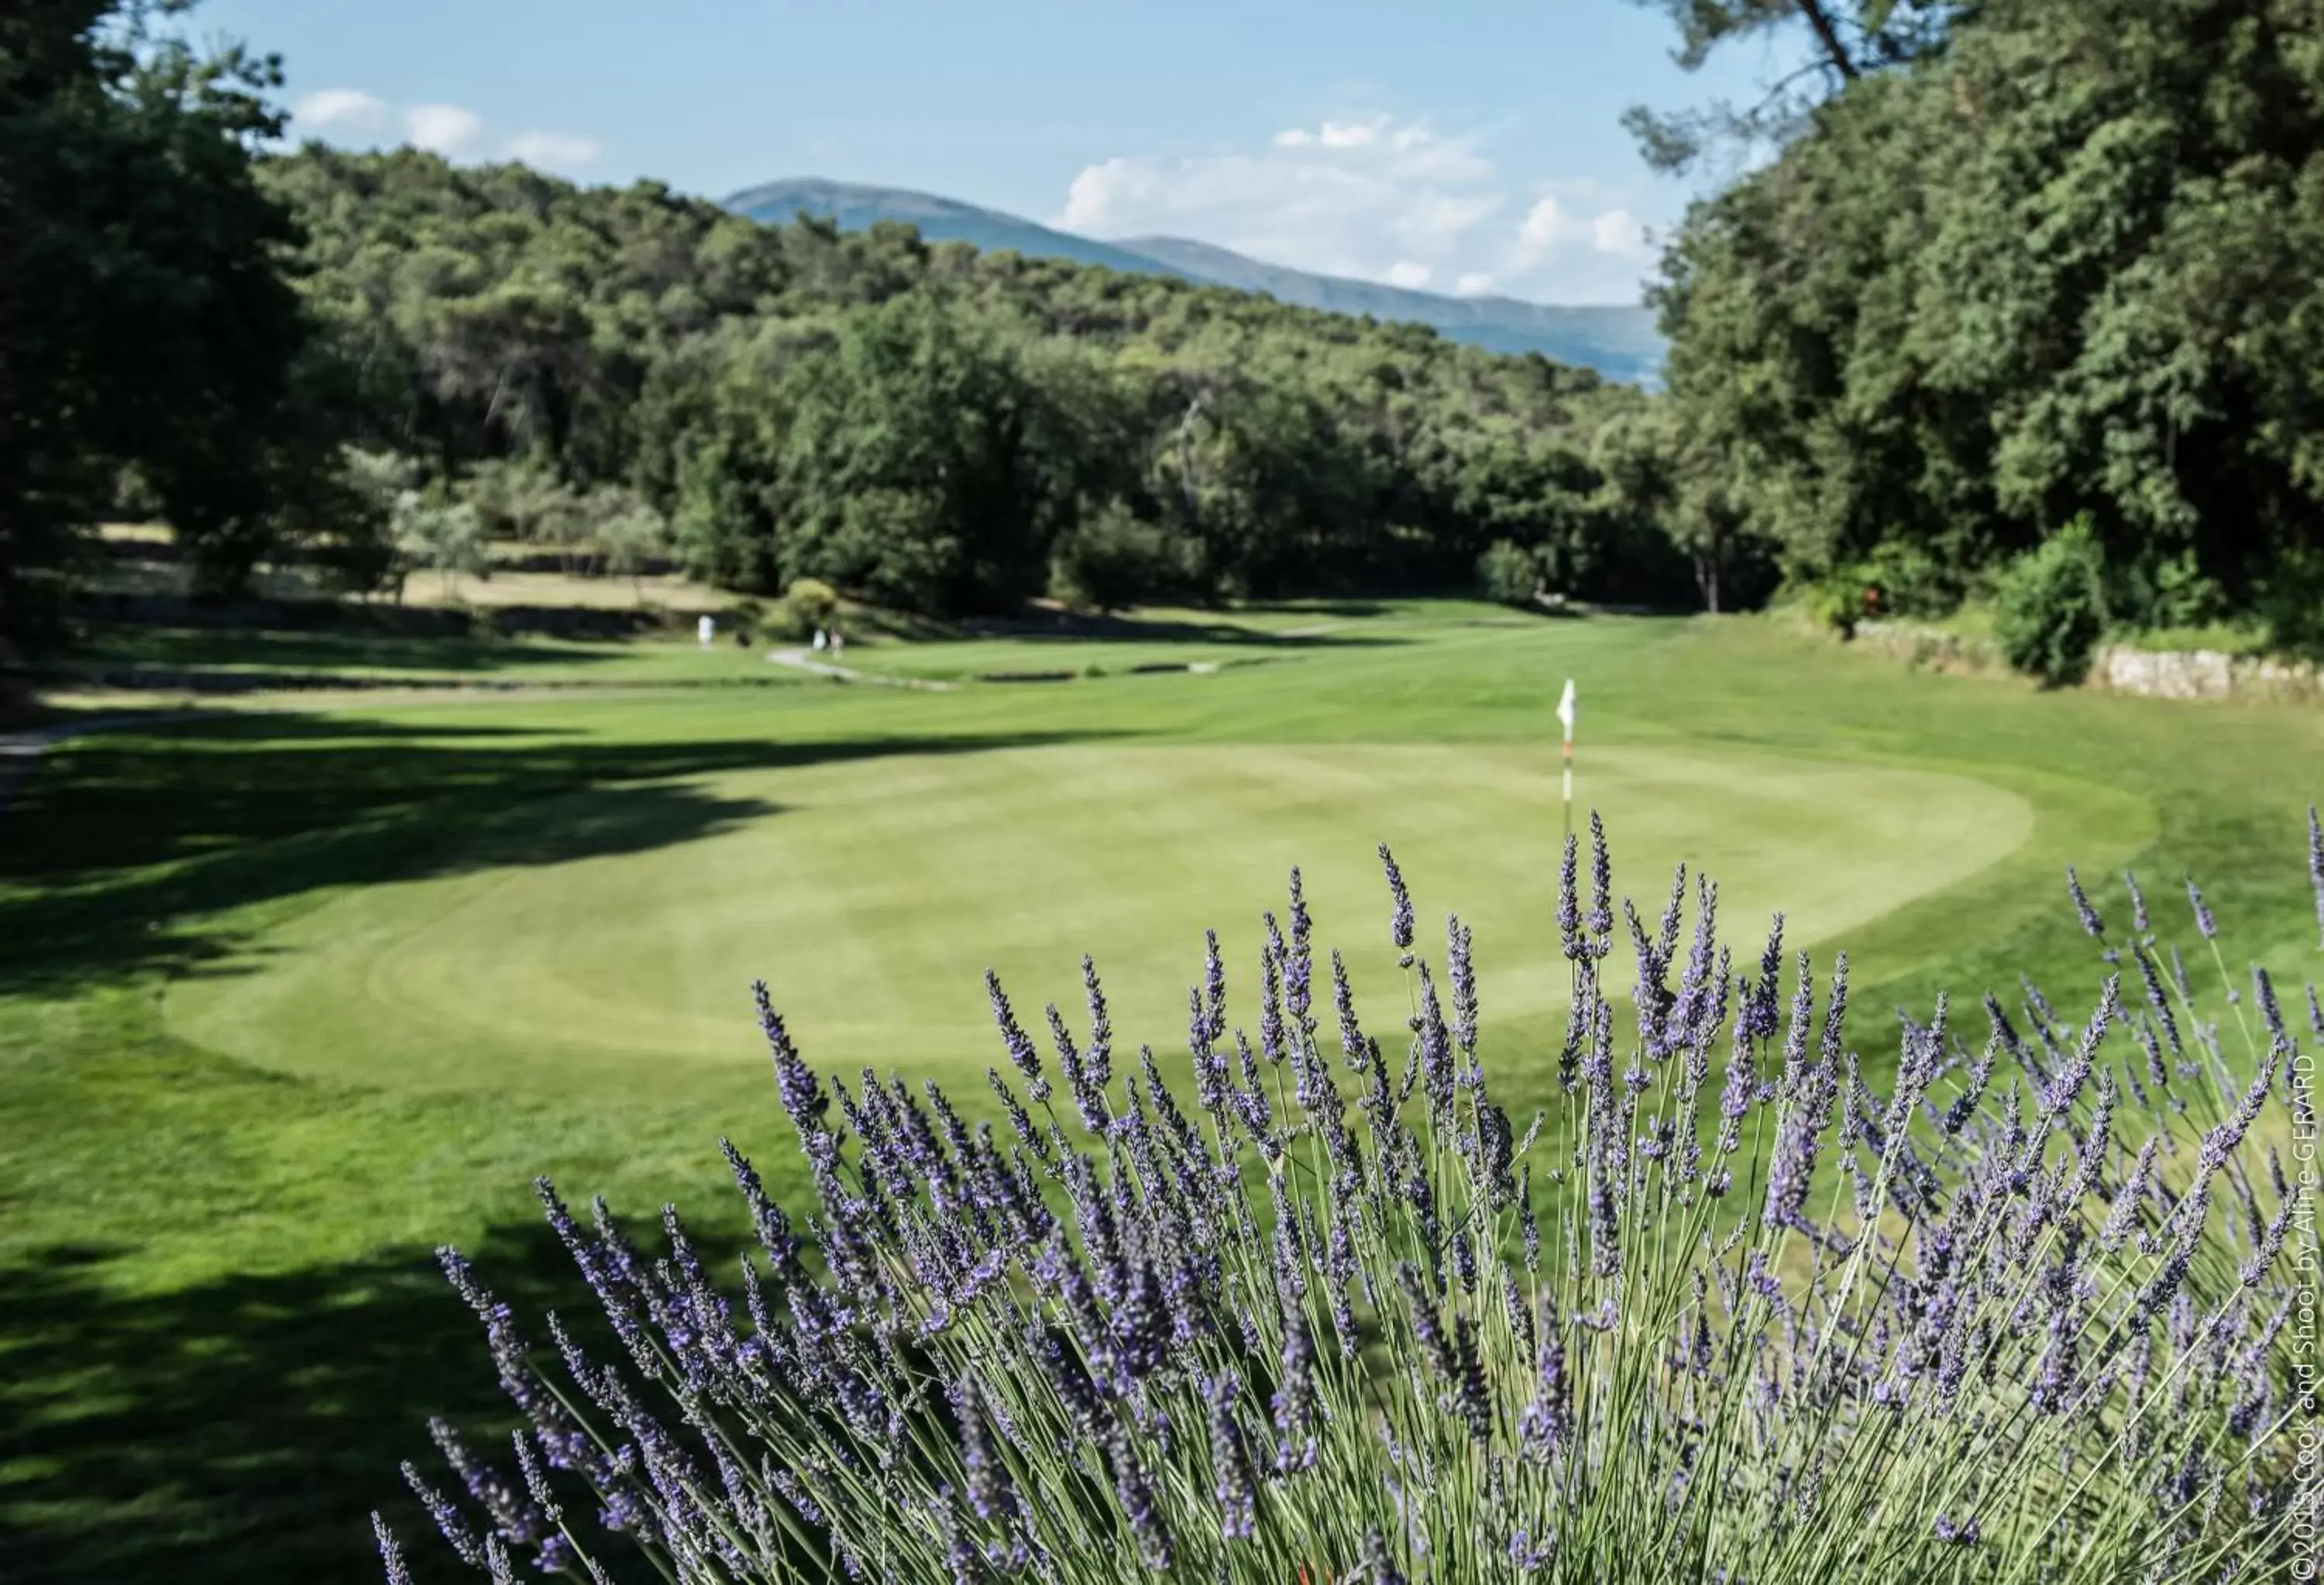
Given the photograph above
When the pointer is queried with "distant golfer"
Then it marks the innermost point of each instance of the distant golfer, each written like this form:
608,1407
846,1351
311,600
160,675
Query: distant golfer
821,638
838,643
706,629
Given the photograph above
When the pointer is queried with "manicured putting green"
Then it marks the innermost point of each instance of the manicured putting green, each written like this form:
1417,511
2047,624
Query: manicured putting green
872,894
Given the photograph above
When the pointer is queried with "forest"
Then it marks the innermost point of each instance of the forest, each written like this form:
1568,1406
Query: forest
2071,368
939,430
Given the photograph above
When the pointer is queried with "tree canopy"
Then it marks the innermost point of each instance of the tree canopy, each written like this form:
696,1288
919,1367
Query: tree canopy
146,324
2061,269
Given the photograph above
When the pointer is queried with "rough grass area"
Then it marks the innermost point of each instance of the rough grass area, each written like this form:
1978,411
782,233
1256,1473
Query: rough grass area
226,1141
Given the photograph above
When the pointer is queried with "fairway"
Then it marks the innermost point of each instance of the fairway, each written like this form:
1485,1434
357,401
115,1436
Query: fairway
872,894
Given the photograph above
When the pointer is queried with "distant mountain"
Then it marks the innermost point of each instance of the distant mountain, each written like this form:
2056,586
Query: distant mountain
1619,341
857,208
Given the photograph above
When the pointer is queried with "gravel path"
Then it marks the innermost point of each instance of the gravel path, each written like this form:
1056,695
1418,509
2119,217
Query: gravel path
802,660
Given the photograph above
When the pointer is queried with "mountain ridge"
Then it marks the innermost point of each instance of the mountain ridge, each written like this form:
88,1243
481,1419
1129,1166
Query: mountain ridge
1618,340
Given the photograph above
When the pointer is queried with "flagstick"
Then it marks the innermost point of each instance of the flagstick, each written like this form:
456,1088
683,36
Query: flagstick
1569,783
1566,718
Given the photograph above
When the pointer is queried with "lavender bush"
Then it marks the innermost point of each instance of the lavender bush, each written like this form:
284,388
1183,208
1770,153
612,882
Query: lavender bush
1727,1311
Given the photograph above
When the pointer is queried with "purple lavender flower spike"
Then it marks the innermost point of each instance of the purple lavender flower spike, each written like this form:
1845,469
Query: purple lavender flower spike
2271,1243
1674,911
1299,962
1214,989
1569,900
2092,924
2205,926
390,1555
794,1083
1081,1083
2270,1010
1755,1019
1460,975
1231,1460
1344,1000
1400,916
2139,922
1427,1329
1546,1424
1528,1224
1098,1060
2316,865
1436,1052
1835,1013
1270,996
990,1492
1294,1402
1601,922
1470,1391
1734,1097
1135,1492
1795,1034
448,1519
1021,1053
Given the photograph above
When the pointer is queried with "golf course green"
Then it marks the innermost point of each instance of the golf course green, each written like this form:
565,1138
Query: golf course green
872,895
293,990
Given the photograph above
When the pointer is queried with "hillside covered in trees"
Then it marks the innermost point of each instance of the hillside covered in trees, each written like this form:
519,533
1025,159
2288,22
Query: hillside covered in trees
2074,365
936,427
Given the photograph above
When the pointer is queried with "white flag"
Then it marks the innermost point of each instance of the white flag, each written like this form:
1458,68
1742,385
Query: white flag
1565,709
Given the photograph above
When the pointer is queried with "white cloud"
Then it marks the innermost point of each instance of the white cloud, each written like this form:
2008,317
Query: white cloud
1334,134
1618,231
553,150
351,116
1378,199
341,110
443,129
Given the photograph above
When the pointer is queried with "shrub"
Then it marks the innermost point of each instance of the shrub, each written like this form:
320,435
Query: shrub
1113,558
1836,603
811,603
1909,578
2021,1316
1508,573
2049,606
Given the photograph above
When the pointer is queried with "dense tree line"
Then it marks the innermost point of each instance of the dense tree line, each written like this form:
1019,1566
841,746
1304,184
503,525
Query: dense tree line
935,428
2041,265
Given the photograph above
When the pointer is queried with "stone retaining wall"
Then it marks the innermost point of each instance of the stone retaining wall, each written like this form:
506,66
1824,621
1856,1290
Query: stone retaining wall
2204,674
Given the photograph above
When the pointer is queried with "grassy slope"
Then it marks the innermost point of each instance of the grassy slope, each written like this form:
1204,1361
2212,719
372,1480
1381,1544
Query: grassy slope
217,1329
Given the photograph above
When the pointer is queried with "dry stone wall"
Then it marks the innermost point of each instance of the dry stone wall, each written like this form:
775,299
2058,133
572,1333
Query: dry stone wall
2204,673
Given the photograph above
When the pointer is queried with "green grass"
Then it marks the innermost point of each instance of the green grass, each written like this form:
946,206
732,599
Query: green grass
290,994
874,891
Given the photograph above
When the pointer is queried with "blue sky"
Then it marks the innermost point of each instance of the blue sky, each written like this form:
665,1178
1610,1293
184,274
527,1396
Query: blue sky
1458,145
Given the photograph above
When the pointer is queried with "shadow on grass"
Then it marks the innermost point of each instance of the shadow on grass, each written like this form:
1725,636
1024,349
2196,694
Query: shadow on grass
113,648
1069,627
107,850
242,1430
